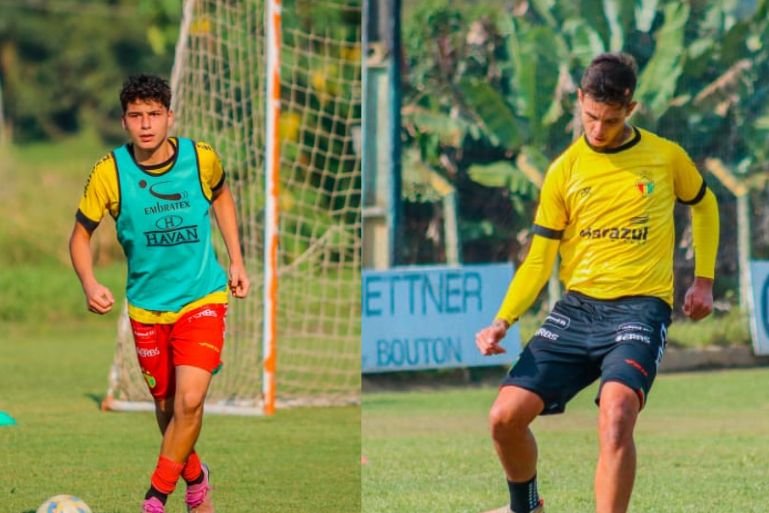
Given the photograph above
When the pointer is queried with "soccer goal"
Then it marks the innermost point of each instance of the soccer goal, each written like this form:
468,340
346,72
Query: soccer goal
295,154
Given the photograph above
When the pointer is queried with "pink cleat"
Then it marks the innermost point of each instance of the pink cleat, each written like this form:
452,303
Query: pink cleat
153,505
198,497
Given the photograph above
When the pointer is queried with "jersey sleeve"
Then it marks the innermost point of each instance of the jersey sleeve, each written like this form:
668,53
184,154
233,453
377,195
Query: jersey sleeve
552,216
100,194
529,279
687,181
211,170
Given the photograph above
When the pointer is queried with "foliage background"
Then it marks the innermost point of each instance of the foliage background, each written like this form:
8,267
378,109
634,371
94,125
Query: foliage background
490,92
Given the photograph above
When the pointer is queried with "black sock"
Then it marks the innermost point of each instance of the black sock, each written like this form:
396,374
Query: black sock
154,492
523,496
197,480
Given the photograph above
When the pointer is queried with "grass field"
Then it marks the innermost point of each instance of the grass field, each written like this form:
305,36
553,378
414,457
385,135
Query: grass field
52,378
703,446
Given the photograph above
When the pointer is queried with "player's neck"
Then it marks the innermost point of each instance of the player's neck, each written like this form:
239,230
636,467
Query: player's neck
622,138
151,157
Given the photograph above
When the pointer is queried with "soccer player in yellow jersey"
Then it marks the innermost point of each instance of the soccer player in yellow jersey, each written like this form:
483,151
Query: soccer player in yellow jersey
161,190
607,205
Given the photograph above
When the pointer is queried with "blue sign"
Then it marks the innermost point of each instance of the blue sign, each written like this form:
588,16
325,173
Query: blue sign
427,317
759,319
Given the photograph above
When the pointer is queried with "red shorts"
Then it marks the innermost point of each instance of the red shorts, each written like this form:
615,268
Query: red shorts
196,339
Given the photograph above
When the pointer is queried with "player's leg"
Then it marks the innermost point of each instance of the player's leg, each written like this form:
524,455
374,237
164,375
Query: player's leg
164,410
185,424
632,350
513,410
615,472
551,369
192,473
197,342
153,350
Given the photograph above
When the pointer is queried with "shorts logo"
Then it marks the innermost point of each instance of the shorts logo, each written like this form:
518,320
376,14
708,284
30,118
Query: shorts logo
145,352
635,326
208,312
544,333
628,337
558,320
637,365
209,346
149,378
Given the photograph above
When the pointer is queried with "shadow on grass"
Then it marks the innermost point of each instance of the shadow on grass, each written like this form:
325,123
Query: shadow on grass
96,398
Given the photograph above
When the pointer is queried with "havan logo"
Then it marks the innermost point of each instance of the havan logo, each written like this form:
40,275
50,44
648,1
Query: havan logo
169,222
182,235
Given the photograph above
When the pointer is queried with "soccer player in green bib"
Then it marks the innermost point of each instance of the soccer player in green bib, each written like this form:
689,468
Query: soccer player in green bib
607,206
161,190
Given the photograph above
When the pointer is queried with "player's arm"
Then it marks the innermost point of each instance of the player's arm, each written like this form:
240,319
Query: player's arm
698,301
523,290
98,297
549,222
101,194
226,218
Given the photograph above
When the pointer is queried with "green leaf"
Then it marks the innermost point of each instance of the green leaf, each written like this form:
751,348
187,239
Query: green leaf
645,11
658,81
489,107
496,174
586,43
503,173
537,52
450,129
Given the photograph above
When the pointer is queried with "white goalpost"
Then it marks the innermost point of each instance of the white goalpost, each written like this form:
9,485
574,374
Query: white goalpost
275,89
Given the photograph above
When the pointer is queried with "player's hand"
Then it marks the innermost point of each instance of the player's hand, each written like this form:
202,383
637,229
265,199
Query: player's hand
238,281
99,298
698,301
487,340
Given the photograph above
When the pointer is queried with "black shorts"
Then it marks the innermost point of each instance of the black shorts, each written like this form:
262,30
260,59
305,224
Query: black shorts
583,339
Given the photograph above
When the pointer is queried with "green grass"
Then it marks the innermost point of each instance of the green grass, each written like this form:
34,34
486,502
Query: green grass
52,377
42,186
702,446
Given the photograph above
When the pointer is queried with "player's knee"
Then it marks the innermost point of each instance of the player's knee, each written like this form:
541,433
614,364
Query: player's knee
189,403
618,419
506,422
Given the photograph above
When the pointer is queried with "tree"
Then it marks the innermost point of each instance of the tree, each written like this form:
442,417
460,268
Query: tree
62,67
490,93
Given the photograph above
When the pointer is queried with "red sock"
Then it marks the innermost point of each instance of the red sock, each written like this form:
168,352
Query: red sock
192,468
166,475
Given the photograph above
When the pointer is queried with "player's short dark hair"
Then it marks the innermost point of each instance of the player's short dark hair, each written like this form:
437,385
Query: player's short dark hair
611,78
145,88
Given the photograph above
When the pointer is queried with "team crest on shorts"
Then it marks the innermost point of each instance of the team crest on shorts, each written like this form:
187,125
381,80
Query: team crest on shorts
149,378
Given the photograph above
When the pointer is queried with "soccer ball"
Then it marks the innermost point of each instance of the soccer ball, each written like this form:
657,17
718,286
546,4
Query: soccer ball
64,504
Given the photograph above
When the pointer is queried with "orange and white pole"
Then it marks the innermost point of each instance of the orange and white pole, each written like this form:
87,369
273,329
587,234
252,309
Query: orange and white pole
271,183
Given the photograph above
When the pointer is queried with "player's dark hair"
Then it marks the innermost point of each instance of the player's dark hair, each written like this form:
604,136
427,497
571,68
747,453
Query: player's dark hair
145,88
611,78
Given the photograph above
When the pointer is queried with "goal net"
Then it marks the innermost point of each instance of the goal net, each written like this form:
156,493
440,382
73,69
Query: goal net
219,83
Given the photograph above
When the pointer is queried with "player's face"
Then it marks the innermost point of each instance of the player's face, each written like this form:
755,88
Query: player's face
147,124
604,123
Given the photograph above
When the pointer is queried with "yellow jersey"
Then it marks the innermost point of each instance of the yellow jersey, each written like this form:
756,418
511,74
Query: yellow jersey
102,195
612,211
